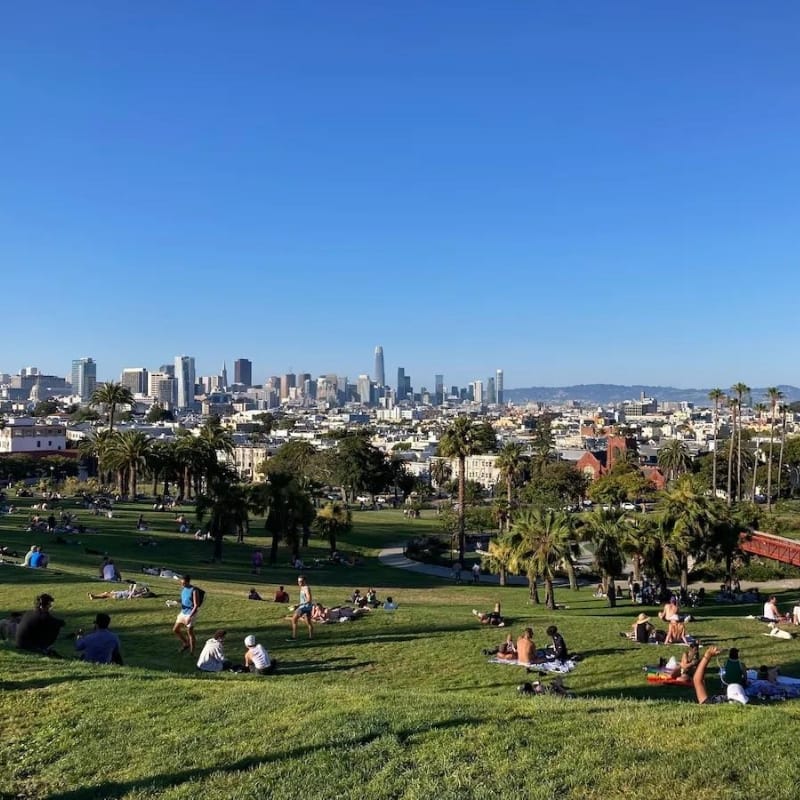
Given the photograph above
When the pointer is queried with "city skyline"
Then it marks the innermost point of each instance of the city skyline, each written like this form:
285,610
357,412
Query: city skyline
528,186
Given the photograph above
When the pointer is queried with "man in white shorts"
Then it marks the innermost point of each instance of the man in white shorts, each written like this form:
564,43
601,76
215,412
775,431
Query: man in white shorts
184,624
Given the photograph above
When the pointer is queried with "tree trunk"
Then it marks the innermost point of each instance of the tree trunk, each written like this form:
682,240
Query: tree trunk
684,572
739,455
462,481
133,482
769,471
714,462
306,534
534,588
332,539
273,550
502,576
780,456
509,499
549,594
217,554
730,460
569,568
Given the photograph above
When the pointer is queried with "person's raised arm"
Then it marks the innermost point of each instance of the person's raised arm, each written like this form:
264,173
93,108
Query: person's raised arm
700,674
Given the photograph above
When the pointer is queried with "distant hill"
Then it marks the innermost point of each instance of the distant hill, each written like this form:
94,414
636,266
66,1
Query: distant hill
606,393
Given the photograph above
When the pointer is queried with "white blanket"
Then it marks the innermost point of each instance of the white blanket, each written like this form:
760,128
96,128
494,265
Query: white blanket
544,666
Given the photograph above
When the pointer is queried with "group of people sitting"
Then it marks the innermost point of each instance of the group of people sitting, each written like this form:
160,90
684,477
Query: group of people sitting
524,651
36,558
368,600
281,595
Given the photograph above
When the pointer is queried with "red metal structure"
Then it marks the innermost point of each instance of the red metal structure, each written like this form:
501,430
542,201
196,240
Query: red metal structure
768,545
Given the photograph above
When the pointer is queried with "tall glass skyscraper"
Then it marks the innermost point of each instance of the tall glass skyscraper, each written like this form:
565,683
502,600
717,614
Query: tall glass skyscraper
380,372
498,386
185,380
84,378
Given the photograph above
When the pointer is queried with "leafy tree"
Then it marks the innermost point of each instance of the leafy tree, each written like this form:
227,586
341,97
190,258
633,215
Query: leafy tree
558,484
441,472
462,439
741,390
129,451
158,413
357,465
267,422
500,555
111,395
624,482
45,408
227,504
511,463
606,530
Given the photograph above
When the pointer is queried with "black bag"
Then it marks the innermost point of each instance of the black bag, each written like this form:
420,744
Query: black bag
201,595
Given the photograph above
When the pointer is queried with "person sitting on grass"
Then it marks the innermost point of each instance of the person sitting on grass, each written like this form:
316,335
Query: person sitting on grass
389,605
38,628
8,626
372,598
101,646
253,594
735,692
281,596
689,661
212,656
735,669
257,659
507,650
676,632
642,631
526,648
494,618
771,612
558,646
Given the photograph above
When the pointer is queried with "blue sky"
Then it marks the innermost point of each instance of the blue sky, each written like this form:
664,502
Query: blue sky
574,192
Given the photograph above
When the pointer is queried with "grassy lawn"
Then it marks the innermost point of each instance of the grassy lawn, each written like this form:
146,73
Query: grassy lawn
397,705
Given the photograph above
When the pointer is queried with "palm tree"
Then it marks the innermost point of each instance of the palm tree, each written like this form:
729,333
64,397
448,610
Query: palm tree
688,513
441,471
96,448
510,462
775,395
500,555
110,395
227,502
783,410
219,439
285,506
740,390
542,540
464,438
733,404
716,396
130,450
606,531
333,518
674,458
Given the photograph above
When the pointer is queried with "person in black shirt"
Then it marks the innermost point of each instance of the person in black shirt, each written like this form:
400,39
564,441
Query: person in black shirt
558,644
38,628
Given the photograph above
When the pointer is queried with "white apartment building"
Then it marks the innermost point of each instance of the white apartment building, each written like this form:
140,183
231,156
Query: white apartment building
481,469
23,435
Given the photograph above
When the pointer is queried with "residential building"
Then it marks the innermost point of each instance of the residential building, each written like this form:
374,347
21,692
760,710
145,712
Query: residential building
24,435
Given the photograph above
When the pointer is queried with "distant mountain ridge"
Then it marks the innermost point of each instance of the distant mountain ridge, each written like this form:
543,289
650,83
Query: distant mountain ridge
605,393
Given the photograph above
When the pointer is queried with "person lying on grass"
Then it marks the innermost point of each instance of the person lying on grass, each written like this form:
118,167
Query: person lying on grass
322,614
133,592
734,694
491,617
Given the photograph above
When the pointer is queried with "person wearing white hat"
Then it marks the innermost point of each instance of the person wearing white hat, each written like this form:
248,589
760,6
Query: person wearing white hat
256,658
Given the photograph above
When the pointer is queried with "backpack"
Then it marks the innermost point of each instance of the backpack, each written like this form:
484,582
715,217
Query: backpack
201,595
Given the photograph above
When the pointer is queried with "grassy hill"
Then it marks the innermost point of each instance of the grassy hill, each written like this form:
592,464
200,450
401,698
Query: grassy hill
397,705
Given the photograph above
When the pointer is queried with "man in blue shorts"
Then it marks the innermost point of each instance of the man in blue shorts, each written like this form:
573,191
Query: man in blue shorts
304,608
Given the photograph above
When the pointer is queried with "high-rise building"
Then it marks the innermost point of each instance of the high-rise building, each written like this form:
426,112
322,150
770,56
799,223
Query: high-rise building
477,391
168,369
438,381
135,378
224,377
364,387
84,378
161,386
380,372
185,380
401,384
491,395
243,372
288,381
498,384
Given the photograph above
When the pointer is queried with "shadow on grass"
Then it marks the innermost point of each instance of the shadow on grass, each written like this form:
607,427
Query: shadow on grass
300,668
115,789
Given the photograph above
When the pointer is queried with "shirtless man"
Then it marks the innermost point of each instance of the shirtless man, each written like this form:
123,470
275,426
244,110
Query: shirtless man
304,609
526,649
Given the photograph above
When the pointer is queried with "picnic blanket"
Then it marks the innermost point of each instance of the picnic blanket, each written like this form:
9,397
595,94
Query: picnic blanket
787,688
560,667
662,675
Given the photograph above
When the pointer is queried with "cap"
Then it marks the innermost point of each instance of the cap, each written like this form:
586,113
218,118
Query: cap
736,694
250,640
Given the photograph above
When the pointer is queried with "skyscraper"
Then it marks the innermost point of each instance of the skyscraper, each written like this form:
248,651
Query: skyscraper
401,384
224,377
438,389
288,381
84,378
185,380
364,389
135,378
243,372
498,385
491,395
380,373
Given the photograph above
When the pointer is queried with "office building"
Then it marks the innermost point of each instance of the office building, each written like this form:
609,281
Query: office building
491,396
136,379
243,372
365,389
162,387
438,390
498,386
288,382
477,391
185,381
380,372
84,378
224,376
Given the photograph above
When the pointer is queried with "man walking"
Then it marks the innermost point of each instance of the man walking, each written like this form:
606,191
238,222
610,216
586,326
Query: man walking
184,624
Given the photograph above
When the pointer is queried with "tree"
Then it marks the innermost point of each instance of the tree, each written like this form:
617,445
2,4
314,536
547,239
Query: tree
558,484
110,395
542,541
674,458
227,504
462,439
158,413
441,472
784,410
688,513
45,408
500,555
510,462
741,390
331,520
716,396
130,451
606,531
733,404
775,395
623,483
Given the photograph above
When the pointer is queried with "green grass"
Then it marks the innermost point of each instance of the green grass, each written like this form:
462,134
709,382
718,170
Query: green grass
398,705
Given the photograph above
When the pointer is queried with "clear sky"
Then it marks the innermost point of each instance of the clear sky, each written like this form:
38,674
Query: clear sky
573,191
